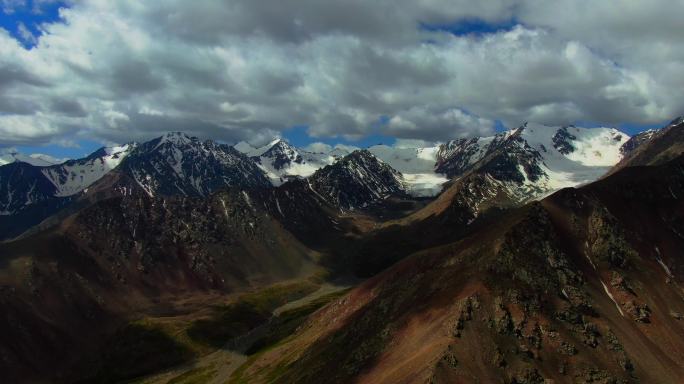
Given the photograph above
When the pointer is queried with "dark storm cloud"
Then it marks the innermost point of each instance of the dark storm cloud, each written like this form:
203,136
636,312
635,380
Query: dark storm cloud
130,77
12,75
66,107
17,106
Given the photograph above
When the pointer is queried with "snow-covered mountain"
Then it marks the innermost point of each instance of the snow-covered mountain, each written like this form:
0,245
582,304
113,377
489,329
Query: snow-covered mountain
282,162
37,159
536,159
417,166
177,164
357,181
26,184
74,176
533,159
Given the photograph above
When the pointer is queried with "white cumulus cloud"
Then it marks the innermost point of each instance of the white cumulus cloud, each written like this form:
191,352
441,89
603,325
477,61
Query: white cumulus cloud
250,69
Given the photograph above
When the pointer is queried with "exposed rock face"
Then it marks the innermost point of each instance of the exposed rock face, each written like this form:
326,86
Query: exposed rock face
357,181
21,185
523,160
534,160
513,160
143,236
283,162
654,147
457,156
562,141
26,198
281,155
636,141
176,164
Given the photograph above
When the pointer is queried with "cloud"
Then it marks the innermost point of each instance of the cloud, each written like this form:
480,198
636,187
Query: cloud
327,148
26,34
10,6
426,123
251,69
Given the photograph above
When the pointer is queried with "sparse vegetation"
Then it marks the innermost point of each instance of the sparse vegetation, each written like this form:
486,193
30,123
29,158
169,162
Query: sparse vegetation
246,313
288,321
199,375
286,324
608,241
137,349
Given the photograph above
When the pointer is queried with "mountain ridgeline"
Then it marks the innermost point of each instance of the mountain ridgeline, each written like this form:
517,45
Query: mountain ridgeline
539,253
177,164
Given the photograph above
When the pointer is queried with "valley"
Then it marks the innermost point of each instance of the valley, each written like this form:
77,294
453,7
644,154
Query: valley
517,258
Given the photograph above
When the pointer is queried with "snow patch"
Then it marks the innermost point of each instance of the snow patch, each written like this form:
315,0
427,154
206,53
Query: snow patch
74,176
662,264
596,151
610,295
417,165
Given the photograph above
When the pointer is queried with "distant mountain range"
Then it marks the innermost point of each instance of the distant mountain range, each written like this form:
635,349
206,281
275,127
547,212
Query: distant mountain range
531,160
537,253
37,159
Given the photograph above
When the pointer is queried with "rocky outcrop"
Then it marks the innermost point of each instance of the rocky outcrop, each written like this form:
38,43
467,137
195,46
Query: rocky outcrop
357,181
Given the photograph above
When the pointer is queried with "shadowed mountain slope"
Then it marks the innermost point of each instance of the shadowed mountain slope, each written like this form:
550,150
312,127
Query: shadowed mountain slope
581,287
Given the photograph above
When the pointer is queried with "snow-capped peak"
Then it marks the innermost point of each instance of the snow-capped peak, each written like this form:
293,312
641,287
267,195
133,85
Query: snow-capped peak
176,138
74,176
358,180
256,152
177,164
541,157
677,121
282,161
36,159
119,148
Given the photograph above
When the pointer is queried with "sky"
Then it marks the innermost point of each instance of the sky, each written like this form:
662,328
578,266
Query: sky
78,74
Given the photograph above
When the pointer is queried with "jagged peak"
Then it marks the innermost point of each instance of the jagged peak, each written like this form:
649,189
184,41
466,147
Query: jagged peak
273,145
280,144
360,153
121,148
168,140
275,141
517,131
678,121
177,138
363,158
360,156
110,150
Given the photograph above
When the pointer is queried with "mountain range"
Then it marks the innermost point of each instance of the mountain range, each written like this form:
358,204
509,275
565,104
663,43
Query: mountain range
539,253
536,160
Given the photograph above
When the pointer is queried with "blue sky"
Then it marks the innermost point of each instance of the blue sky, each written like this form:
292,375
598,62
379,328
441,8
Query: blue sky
31,17
299,137
472,27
